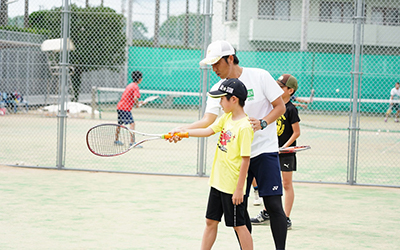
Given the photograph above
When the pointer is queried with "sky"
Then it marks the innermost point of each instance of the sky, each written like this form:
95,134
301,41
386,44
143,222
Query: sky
143,10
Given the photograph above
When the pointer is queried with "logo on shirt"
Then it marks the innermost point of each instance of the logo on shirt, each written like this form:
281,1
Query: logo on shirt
224,138
280,124
250,95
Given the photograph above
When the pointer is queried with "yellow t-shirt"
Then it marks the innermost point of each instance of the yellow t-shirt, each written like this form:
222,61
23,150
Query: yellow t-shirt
234,142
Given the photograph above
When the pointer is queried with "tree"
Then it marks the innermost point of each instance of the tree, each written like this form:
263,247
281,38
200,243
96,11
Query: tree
138,31
183,30
97,33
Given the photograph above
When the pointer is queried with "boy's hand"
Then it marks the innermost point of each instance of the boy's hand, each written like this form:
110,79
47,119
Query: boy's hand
175,138
237,197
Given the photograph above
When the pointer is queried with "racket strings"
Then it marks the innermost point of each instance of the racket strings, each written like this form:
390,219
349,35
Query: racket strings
103,140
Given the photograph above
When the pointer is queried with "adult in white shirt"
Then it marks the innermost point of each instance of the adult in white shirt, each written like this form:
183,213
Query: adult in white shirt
394,95
263,105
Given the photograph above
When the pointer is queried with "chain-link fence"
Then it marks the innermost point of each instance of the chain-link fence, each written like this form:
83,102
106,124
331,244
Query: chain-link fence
344,53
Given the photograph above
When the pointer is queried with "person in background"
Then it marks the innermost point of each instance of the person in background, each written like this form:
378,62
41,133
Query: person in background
394,96
129,99
288,130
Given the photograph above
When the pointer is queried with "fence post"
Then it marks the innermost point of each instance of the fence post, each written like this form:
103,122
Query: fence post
205,70
63,92
94,91
354,123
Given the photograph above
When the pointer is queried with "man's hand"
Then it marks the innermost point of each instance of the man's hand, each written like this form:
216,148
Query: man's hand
255,123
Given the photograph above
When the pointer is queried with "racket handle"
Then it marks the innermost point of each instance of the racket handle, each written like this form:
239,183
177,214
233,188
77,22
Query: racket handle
182,135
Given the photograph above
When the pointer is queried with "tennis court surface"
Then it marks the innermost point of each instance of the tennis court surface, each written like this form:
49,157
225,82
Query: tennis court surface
60,209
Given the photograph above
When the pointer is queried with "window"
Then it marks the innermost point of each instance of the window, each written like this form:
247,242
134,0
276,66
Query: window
336,12
231,10
385,16
274,9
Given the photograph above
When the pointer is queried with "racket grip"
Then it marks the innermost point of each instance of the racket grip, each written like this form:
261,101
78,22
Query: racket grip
182,135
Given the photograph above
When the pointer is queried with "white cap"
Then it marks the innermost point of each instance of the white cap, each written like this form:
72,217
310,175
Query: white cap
216,50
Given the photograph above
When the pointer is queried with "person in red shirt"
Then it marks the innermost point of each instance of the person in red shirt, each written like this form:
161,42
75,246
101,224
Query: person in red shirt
129,99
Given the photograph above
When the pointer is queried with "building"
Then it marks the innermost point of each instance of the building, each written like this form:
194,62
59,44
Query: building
280,25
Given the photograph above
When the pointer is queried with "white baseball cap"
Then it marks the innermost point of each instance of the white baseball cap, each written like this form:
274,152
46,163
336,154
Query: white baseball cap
216,50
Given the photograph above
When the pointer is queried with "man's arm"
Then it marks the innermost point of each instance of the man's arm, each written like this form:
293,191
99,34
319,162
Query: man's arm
278,110
297,99
204,122
300,105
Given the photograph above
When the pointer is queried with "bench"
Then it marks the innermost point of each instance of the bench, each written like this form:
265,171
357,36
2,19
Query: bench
8,102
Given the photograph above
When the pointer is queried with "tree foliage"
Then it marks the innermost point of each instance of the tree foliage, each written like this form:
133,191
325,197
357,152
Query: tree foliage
97,33
173,31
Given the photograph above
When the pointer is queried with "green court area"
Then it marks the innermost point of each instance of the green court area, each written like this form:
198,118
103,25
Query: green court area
60,209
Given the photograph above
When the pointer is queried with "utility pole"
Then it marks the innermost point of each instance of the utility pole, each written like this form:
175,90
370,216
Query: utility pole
304,25
4,13
156,24
186,42
26,14
167,26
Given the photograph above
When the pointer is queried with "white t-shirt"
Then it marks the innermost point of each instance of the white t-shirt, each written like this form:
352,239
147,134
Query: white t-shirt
395,93
262,90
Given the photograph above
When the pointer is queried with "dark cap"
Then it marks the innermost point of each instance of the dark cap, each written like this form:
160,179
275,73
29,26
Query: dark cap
288,81
231,86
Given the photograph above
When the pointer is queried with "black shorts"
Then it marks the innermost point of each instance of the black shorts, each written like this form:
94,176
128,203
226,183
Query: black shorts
395,107
288,162
220,203
124,117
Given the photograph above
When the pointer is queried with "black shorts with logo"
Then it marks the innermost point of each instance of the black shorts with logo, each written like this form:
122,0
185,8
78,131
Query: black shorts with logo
288,162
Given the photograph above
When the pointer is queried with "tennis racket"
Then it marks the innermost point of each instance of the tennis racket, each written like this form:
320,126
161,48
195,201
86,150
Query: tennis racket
312,95
149,99
293,149
113,139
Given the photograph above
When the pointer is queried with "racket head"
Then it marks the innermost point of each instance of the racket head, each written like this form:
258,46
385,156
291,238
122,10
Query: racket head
293,149
312,95
151,98
101,140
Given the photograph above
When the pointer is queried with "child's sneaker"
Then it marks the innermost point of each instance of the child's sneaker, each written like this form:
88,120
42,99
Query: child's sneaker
261,218
289,223
138,146
257,200
396,120
119,143
386,119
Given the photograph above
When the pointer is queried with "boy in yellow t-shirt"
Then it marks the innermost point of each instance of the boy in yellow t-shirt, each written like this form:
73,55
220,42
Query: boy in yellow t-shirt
230,166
